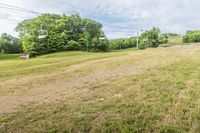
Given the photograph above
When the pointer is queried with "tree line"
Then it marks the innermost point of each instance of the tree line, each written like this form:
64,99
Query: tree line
48,33
9,44
123,43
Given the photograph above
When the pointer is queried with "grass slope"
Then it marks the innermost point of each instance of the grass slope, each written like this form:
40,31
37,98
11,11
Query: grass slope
163,97
5,57
47,63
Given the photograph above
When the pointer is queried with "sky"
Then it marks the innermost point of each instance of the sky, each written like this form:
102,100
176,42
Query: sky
120,18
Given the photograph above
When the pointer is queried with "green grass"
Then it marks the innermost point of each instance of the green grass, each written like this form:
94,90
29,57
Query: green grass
5,57
163,98
16,67
146,101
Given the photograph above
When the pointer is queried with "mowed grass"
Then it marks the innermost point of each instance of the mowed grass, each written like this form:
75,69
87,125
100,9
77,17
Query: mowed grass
162,99
48,63
5,57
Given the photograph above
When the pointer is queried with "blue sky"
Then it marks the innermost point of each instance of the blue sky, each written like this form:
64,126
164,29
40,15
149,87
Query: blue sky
119,17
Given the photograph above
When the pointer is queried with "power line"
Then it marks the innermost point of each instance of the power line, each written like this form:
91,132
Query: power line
115,26
118,26
19,10
125,31
11,19
15,8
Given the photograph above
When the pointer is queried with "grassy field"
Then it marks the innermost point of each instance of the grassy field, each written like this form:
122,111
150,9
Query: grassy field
152,90
9,57
172,41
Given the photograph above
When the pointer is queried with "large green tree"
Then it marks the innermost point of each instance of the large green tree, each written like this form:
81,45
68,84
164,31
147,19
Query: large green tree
150,38
64,33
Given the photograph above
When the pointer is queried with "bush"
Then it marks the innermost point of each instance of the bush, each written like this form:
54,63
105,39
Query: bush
72,45
123,43
150,38
143,44
192,36
9,44
170,34
163,39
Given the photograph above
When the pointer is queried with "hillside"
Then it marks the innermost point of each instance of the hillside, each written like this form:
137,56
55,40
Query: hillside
152,90
9,57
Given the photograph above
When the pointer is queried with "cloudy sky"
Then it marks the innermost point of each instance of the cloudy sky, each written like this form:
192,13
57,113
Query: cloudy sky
119,17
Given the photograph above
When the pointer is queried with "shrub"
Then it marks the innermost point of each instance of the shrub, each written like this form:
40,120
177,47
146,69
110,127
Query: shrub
72,45
192,36
150,38
163,39
9,44
123,43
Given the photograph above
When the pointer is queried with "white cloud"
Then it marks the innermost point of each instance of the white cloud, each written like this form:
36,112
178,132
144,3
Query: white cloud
169,15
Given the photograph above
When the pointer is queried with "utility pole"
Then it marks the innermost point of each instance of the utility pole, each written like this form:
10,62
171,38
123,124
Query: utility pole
101,38
137,40
87,46
137,35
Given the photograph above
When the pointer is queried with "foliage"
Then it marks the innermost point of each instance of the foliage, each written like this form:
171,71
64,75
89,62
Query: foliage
170,34
172,41
163,38
143,44
167,37
64,33
123,43
9,44
72,45
192,36
150,38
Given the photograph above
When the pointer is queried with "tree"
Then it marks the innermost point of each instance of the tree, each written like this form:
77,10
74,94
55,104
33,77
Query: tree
9,44
163,38
64,33
191,36
150,38
72,45
170,34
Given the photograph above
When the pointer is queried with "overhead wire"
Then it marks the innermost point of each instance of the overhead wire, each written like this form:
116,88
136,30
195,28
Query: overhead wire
7,7
19,9
15,8
11,19
109,25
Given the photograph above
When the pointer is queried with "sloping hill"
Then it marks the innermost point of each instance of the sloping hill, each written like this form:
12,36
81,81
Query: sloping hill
5,57
153,90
